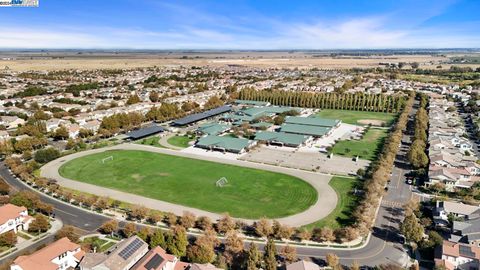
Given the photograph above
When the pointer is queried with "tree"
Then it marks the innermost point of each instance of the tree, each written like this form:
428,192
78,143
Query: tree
157,239
263,227
133,99
233,248
270,255
8,239
204,223
324,234
171,219
154,217
203,249
289,253
411,228
69,232
144,233
154,97
61,133
39,224
225,224
4,187
213,102
109,227
46,155
129,229
138,212
355,266
332,260
254,258
187,220
177,241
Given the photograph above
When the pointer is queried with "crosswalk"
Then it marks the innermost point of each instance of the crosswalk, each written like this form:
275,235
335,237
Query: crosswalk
392,204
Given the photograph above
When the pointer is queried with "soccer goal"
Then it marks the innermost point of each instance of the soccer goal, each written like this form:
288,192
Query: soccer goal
221,182
109,158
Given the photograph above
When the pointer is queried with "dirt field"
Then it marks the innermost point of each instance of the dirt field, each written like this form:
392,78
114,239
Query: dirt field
254,59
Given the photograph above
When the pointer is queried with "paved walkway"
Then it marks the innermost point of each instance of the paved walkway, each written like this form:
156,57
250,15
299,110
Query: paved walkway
327,198
56,226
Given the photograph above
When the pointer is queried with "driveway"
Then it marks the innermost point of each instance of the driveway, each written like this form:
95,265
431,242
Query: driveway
327,198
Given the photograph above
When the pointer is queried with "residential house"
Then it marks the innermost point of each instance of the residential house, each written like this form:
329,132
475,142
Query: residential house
122,256
303,265
11,122
14,218
444,209
158,259
454,256
62,254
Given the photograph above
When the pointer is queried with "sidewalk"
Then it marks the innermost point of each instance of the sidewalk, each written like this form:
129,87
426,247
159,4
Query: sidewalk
56,226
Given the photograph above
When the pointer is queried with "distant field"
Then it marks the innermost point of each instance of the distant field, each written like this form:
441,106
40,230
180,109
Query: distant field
179,141
254,59
366,148
353,117
250,193
342,214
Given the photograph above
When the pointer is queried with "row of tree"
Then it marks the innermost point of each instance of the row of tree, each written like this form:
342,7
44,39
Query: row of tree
345,101
417,153
379,173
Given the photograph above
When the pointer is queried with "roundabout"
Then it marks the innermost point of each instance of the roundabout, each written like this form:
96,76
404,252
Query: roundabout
173,181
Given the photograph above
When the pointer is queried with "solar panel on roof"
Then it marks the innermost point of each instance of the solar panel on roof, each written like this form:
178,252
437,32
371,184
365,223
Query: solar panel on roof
130,249
143,132
154,262
200,116
466,251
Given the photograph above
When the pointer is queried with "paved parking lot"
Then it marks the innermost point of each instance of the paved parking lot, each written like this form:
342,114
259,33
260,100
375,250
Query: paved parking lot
311,161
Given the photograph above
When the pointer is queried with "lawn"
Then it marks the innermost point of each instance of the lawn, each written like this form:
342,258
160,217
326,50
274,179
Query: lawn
352,117
250,193
366,148
180,141
342,214
152,140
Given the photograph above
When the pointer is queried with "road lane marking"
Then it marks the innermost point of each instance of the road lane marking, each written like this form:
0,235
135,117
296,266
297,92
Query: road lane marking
65,212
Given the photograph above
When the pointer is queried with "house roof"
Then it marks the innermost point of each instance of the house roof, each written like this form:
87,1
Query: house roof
120,256
303,265
459,208
10,211
460,250
42,259
156,258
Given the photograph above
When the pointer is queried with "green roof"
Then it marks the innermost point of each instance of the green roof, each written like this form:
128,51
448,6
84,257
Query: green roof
281,137
213,128
251,102
312,121
224,142
305,129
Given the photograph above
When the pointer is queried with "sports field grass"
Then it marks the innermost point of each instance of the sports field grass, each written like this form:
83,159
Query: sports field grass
352,117
179,141
366,148
342,214
250,193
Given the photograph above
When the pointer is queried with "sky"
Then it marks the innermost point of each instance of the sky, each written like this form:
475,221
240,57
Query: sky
242,24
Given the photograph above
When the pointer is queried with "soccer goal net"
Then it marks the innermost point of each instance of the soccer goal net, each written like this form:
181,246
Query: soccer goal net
221,182
107,159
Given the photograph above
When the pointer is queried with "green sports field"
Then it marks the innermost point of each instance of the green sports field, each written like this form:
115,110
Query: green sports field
352,117
366,148
250,193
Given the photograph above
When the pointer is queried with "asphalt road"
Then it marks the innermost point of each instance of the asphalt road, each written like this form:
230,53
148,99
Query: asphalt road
383,247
